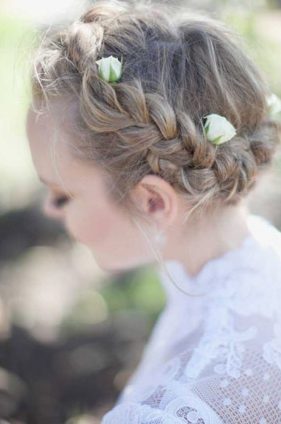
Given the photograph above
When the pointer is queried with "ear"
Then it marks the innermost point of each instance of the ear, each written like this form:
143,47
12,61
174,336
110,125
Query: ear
157,199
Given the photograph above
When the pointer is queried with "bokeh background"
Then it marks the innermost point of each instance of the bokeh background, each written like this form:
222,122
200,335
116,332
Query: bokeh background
71,335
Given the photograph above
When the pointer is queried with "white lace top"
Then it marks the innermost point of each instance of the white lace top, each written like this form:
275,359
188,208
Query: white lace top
216,358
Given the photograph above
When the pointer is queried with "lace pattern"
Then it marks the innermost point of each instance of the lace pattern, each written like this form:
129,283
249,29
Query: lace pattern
184,408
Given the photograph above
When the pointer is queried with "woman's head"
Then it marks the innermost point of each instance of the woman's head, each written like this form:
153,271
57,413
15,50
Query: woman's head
78,197
145,131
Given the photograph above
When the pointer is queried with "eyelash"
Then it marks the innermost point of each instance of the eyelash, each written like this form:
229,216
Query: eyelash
60,201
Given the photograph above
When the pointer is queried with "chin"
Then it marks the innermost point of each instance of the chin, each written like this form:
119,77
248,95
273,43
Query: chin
116,269
107,267
117,266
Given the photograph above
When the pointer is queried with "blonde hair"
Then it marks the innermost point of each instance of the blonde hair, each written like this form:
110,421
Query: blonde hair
177,68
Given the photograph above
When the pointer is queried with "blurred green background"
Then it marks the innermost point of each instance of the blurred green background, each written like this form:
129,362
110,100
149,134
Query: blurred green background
71,335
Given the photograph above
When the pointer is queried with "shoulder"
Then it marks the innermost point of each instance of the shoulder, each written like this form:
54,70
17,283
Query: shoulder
169,404
230,389
233,374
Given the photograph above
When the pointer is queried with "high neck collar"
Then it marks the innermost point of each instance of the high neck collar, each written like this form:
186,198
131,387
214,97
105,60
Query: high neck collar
210,278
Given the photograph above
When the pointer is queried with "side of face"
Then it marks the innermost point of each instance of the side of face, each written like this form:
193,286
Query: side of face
89,215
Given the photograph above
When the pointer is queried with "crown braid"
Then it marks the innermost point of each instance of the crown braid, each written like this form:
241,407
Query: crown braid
177,68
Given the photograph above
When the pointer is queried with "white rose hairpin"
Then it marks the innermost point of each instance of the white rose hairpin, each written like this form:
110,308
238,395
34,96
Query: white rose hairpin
218,129
110,68
274,105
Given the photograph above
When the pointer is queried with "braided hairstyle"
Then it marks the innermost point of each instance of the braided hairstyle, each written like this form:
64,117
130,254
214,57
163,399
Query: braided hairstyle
177,68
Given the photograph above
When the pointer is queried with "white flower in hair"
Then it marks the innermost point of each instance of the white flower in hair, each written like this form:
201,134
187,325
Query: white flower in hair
110,68
218,129
274,104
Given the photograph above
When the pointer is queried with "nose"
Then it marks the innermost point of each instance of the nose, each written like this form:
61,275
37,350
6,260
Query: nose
50,210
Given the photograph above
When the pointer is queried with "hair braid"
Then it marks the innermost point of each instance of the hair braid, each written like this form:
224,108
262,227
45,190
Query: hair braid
177,69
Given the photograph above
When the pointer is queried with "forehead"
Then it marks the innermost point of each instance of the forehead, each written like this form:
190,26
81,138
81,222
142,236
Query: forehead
49,146
48,124
57,118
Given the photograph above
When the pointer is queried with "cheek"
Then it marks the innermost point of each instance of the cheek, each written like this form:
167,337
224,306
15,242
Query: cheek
101,225
96,224
111,236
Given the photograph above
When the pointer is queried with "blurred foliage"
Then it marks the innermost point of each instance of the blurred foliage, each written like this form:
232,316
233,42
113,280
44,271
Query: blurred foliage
16,172
139,290
135,291
264,50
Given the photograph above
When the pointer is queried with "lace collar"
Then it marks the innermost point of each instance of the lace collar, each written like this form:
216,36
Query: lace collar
250,255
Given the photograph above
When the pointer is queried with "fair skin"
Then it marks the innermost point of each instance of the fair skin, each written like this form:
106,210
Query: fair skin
92,218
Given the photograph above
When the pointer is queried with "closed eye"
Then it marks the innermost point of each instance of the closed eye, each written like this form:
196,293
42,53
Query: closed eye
60,201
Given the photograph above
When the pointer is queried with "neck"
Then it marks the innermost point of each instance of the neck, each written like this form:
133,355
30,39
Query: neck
209,238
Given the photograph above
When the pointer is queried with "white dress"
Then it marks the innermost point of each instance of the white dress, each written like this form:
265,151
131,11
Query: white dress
216,358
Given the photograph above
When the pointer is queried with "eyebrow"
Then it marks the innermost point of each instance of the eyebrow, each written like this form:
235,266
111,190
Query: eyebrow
47,181
56,185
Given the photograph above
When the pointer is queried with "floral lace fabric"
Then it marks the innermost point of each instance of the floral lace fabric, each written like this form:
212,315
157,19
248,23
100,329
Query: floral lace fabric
216,358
